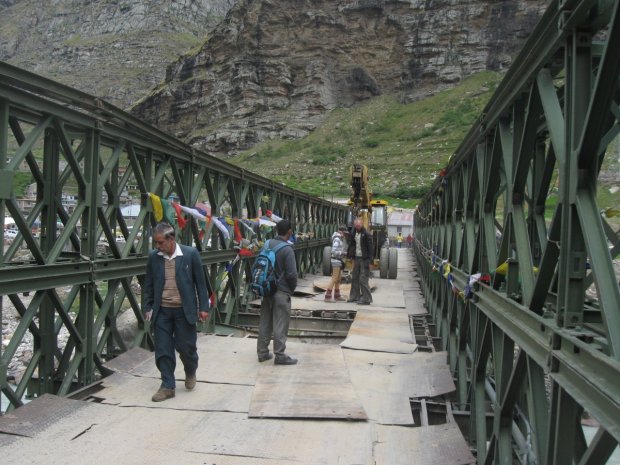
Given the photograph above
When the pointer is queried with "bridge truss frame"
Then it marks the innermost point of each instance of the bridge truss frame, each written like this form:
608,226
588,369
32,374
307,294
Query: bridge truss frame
532,350
66,141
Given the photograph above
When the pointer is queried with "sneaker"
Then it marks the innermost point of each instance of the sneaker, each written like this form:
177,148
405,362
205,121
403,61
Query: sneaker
285,360
351,300
264,358
163,394
190,381
363,302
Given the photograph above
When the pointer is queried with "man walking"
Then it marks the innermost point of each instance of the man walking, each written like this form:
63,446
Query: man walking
174,297
360,251
275,310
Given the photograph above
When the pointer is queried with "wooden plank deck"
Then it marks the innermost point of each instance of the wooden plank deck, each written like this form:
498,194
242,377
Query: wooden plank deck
215,423
318,387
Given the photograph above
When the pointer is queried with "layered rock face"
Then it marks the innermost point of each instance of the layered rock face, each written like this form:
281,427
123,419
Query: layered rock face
274,69
117,50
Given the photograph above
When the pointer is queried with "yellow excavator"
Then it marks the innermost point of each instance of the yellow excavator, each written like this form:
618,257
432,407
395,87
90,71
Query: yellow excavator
373,214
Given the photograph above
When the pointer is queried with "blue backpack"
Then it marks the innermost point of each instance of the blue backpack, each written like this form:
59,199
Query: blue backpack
264,271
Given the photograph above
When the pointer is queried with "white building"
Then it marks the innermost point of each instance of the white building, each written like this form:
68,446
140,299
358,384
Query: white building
400,221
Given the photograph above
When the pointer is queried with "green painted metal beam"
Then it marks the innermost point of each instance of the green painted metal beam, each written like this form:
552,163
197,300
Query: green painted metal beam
538,163
72,143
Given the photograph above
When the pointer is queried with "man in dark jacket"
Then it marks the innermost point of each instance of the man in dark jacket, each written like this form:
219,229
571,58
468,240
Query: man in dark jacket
275,313
174,298
360,251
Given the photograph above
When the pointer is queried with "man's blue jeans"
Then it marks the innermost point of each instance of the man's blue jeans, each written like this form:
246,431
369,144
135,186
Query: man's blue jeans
172,331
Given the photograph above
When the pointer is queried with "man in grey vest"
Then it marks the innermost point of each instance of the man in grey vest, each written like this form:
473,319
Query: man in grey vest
275,313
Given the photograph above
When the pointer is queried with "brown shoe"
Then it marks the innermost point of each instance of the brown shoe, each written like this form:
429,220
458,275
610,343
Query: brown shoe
190,381
162,394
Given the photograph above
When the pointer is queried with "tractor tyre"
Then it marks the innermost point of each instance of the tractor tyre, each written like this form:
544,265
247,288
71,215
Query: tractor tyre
327,261
384,258
393,264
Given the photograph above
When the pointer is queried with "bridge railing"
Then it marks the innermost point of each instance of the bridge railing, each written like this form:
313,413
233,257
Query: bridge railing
69,163
516,253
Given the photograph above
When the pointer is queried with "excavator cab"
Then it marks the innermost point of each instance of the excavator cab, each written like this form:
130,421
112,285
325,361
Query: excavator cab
378,226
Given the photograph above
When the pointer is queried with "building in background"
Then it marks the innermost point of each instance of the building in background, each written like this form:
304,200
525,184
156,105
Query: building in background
400,221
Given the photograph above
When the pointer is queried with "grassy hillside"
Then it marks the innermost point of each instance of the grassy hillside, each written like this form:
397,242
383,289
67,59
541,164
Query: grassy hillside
404,145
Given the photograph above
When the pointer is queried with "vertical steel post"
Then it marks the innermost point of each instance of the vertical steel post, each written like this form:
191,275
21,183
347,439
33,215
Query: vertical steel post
4,141
572,263
88,243
49,196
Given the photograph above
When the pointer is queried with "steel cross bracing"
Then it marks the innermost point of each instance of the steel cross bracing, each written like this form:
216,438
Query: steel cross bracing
75,276
538,347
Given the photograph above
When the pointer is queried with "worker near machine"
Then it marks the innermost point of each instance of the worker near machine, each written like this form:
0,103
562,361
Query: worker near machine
339,252
275,312
399,240
361,252
174,298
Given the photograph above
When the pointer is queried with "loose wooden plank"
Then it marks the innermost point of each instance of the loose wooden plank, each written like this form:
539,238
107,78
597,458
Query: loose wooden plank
105,434
302,442
221,360
375,344
440,444
380,331
416,375
371,379
131,391
317,387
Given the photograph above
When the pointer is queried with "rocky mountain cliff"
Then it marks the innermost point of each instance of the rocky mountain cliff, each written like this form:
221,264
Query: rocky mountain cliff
275,69
114,49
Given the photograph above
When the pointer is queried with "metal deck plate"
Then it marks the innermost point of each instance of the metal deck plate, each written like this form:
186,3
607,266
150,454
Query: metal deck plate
130,360
317,387
36,416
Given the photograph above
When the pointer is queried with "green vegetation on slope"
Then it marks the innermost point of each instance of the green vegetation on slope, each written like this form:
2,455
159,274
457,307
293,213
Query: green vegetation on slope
404,145
20,183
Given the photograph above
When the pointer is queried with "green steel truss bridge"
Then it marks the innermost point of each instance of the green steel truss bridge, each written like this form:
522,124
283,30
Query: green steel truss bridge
534,345
68,141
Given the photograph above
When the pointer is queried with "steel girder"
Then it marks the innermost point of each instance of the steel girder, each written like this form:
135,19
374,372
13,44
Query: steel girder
66,274
538,347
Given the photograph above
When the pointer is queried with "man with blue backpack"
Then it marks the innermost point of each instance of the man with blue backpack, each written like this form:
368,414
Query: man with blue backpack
275,265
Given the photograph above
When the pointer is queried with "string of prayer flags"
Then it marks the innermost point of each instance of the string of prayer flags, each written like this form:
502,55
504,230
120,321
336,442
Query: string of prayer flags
273,216
168,211
193,212
180,218
221,227
158,211
237,231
